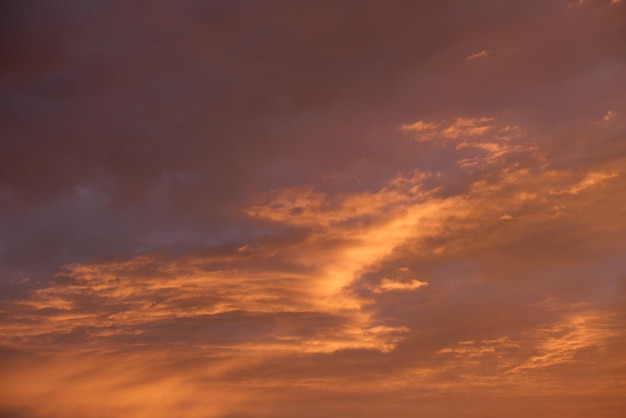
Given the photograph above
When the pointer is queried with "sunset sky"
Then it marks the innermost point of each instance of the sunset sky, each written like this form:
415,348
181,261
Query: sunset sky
326,208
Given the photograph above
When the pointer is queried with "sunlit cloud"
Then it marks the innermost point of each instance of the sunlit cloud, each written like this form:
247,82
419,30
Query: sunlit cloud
465,130
609,115
303,296
590,180
454,129
388,285
348,235
478,55
564,341
275,211
424,131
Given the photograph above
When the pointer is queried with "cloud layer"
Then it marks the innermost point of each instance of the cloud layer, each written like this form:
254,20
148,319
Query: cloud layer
343,208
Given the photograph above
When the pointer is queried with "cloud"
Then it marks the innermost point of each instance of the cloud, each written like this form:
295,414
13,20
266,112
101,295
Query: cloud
590,180
483,140
564,341
336,278
464,129
609,115
226,211
344,237
424,131
460,127
388,285
478,55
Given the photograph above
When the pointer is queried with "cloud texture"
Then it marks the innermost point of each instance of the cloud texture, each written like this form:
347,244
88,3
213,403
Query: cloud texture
335,208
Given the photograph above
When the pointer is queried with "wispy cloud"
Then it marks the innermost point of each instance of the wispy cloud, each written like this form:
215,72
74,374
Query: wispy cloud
478,55
388,285
330,208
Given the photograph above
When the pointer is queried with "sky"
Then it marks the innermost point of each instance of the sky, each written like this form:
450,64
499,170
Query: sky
346,208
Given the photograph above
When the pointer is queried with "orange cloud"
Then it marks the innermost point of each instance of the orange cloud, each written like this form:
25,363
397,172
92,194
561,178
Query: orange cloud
457,128
325,287
478,55
387,285
312,209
